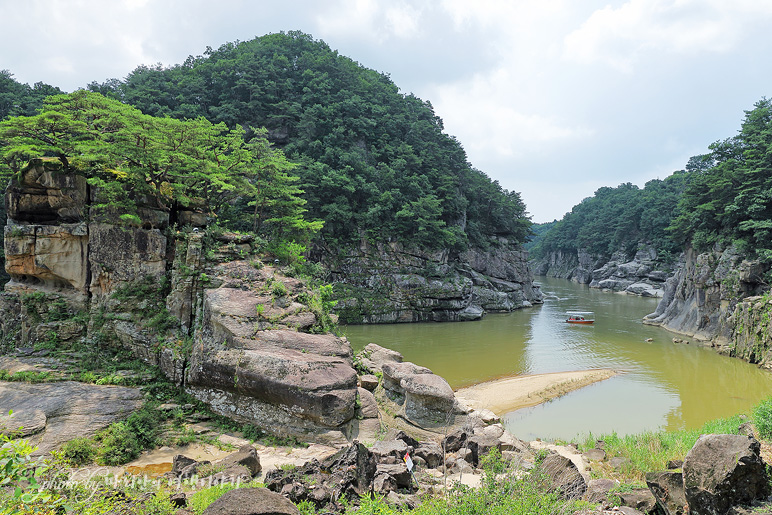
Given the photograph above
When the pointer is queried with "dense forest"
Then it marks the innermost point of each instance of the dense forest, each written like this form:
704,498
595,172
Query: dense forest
721,198
373,162
367,160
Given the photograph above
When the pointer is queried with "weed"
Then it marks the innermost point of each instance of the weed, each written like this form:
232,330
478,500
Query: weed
762,418
80,451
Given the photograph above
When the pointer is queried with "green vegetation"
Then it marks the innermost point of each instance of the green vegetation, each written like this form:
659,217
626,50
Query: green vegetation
651,450
26,376
17,99
126,154
618,219
728,201
721,199
762,418
373,162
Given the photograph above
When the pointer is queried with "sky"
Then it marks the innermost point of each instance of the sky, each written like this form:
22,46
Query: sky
552,98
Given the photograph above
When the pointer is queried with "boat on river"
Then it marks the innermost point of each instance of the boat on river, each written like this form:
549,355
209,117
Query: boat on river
580,317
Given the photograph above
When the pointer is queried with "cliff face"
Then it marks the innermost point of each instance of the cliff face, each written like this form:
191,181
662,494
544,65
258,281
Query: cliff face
642,275
389,283
702,296
228,330
752,330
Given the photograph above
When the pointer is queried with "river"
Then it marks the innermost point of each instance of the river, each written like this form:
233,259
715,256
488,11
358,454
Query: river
663,385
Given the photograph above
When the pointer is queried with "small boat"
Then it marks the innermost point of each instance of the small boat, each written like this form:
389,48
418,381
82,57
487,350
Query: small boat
580,317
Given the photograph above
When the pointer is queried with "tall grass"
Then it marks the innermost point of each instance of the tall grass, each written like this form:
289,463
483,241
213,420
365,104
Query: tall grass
651,450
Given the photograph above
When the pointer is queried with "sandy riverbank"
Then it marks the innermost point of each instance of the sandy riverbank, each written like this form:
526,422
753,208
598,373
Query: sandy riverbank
512,393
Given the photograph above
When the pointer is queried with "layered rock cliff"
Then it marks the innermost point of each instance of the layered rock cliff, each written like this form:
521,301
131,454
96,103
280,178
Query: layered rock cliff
704,294
643,274
200,306
390,283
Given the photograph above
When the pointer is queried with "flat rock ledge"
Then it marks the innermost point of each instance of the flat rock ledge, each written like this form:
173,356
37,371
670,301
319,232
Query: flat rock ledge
51,414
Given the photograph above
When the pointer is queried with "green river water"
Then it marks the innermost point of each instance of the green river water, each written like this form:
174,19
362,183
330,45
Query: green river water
662,386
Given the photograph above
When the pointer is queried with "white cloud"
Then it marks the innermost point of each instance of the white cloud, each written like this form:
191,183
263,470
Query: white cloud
488,118
370,20
403,20
620,36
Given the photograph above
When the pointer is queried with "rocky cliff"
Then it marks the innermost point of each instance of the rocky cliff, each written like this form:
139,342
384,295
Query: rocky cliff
198,305
389,283
643,274
704,294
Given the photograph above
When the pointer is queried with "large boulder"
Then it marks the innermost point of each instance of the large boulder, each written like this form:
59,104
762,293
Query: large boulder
668,490
562,476
358,466
246,456
724,470
394,448
394,373
429,399
373,357
275,386
251,501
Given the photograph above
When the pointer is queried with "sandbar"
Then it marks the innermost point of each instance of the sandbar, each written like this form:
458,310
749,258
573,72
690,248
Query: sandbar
512,393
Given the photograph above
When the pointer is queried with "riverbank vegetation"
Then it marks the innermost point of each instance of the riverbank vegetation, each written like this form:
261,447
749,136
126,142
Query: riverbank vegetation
720,199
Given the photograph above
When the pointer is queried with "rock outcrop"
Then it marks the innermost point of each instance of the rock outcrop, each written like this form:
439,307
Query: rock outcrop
702,296
721,471
751,325
390,283
414,393
50,414
235,334
642,275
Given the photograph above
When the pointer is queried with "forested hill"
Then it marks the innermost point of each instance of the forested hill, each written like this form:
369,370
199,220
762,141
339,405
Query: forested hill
375,162
18,99
722,199
617,220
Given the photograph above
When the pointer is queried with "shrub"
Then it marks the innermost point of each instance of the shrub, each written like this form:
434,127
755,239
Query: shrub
201,500
279,289
80,451
118,445
762,418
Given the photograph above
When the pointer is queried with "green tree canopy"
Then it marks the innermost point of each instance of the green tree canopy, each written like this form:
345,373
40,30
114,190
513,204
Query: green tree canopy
128,154
729,196
373,162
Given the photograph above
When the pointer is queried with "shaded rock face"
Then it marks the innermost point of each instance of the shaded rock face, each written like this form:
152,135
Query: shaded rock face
563,476
389,284
703,295
250,360
54,413
668,490
640,275
751,325
724,470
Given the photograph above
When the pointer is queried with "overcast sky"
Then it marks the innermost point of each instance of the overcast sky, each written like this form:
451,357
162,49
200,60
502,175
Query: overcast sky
552,98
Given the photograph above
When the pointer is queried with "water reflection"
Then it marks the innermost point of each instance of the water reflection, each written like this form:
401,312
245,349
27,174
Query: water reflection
664,385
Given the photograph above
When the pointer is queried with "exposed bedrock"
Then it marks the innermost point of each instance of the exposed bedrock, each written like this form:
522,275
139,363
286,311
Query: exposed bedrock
643,274
388,283
702,296
252,364
252,358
